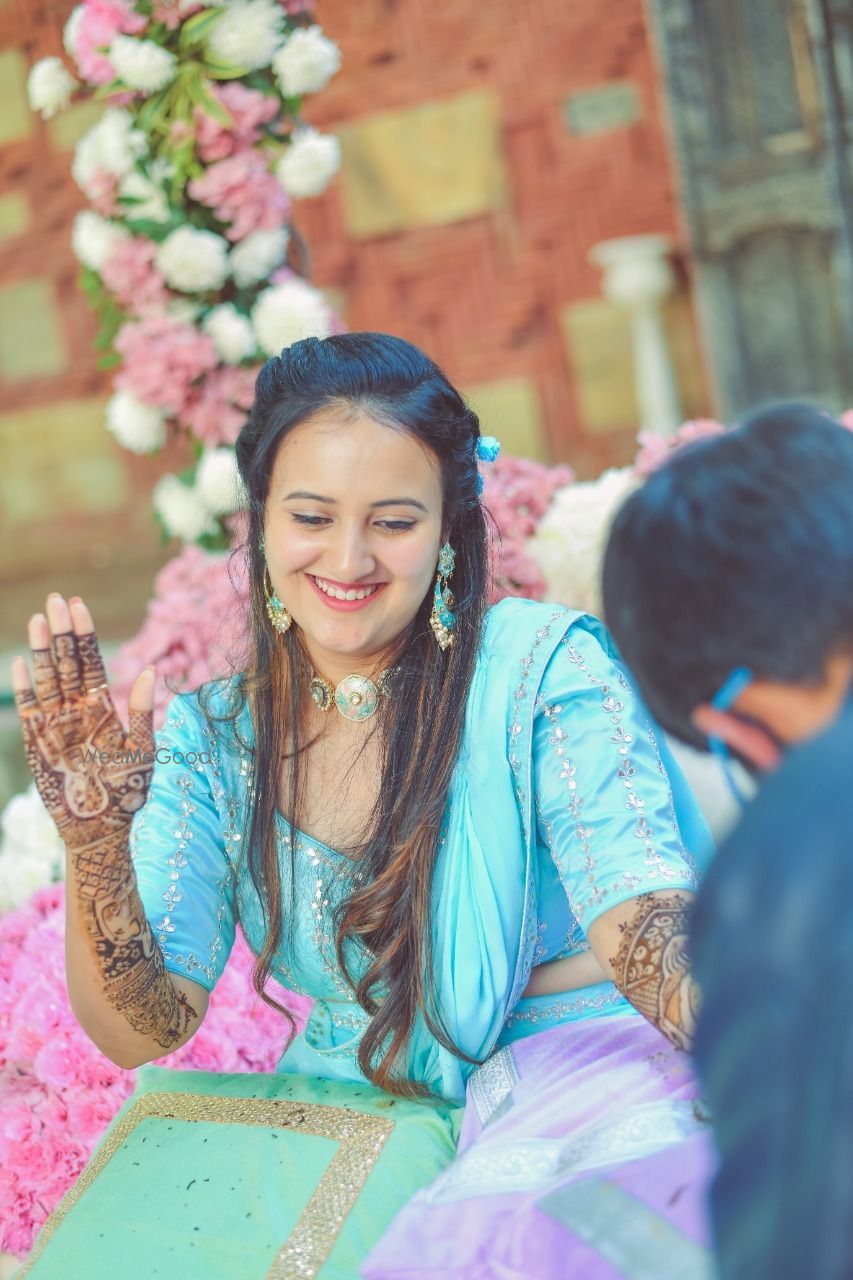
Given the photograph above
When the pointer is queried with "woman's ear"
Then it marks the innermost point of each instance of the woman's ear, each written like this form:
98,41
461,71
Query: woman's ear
747,740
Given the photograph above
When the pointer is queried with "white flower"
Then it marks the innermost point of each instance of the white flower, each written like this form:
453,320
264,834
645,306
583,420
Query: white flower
287,312
111,146
247,34
232,333
71,30
217,482
142,64
569,541
31,851
149,202
139,427
93,238
181,509
309,163
306,62
257,255
193,261
50,86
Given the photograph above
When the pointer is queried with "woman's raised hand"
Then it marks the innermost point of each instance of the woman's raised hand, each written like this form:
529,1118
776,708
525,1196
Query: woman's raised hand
91,774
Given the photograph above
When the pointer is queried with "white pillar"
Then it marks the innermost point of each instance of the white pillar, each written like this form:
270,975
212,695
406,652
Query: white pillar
637,276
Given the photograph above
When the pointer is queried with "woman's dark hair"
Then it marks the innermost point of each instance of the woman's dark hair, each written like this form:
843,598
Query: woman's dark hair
738,552
387,916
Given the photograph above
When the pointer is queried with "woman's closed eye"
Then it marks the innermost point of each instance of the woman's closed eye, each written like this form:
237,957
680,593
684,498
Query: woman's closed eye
320,522
395,526
314,522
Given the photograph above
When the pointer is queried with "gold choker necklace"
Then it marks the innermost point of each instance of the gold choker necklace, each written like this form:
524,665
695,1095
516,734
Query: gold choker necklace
356,697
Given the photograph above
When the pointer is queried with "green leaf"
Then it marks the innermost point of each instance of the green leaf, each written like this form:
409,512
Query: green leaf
198,27
109,361
107,90
213,541
223,70
205,99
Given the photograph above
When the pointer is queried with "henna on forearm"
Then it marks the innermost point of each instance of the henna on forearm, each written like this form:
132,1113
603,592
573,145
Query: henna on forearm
652,965
135,980
93,777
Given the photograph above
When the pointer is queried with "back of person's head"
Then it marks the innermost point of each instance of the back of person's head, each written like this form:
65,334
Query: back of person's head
738,552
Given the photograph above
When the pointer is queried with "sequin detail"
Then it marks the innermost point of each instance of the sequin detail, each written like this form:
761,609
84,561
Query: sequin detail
491,1084
573,1007
655,866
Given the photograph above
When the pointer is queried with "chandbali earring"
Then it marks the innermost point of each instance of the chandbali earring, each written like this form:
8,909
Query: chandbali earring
442,619
276,611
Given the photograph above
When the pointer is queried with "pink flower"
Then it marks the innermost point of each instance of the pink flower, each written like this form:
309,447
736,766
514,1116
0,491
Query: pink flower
130,274
195,627
163,357
248,109
241,191
220,404
654,450
516,494
58,1092
102,189
168,12
101,22
846,419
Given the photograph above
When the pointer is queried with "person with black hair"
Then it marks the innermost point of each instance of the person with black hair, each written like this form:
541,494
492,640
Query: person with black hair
452,826
728,586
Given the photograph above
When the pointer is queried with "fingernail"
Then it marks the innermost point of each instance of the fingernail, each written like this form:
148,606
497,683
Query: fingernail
54,595
75,600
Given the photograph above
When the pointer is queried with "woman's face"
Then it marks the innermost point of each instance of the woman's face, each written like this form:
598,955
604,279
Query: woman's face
352,532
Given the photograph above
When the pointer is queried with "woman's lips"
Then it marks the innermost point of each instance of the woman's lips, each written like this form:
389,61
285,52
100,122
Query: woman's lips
334,601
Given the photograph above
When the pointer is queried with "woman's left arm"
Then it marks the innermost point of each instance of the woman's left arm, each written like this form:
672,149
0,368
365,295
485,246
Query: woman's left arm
614,824
642,945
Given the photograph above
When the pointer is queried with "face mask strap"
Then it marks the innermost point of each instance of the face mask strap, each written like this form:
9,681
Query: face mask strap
723,700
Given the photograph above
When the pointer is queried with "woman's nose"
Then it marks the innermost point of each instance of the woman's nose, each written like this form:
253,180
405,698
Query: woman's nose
351,558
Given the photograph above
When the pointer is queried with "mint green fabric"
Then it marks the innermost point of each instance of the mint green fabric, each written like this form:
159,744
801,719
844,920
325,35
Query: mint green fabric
205,1199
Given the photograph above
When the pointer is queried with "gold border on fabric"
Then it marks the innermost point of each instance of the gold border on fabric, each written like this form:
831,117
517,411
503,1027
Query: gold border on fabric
361,1136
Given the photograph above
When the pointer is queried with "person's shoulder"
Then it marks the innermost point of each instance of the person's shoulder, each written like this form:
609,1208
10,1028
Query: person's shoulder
813,787
514,624
789,861
216,702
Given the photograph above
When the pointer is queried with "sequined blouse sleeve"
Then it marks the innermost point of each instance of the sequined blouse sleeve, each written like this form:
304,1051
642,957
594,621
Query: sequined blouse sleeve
179,851
604,803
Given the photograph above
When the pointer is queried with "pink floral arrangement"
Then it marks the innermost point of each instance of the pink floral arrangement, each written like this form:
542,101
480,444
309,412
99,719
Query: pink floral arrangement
191,172
58,1093
654,450
194,628
516,494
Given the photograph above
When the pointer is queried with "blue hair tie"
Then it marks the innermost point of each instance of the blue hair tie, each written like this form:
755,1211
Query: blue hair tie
488,448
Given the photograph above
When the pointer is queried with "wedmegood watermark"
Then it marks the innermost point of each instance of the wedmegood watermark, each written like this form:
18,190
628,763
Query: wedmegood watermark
163,755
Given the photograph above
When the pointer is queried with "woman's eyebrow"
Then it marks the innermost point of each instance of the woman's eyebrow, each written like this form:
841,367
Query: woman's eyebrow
401,502
384,502
314,497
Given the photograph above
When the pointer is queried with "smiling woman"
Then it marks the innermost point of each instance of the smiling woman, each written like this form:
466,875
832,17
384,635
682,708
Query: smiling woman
454,827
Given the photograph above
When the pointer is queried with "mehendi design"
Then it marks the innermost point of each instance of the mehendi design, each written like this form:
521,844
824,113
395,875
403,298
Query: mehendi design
652,966
93,777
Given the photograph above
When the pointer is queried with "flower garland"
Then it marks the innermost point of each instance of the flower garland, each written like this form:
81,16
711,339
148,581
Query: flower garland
187,252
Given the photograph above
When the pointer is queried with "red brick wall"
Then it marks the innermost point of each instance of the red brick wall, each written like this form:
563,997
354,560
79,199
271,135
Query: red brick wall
483,296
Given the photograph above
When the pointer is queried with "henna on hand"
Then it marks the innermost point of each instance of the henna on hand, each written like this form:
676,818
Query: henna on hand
93,777
652,966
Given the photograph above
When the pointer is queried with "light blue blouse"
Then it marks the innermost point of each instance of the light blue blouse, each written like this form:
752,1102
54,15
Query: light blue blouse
564,803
